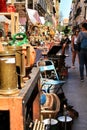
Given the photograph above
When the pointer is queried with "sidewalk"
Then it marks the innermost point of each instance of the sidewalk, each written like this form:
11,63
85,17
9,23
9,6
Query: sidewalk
76,93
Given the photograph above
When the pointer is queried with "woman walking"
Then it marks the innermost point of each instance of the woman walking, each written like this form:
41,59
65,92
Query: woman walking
74,47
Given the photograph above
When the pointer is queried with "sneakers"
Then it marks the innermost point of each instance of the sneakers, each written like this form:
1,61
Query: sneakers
82,79
73,66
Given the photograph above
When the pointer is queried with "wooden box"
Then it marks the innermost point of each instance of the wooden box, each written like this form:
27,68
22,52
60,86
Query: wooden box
24,103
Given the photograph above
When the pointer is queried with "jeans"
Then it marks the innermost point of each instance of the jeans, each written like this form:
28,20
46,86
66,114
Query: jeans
82,62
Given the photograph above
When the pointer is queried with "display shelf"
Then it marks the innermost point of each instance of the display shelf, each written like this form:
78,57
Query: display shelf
14,21
24,103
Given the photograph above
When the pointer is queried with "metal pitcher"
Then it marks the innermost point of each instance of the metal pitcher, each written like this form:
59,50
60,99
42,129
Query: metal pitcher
8,74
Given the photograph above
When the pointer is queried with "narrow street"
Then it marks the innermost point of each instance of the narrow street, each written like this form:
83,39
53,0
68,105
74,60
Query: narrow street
76,93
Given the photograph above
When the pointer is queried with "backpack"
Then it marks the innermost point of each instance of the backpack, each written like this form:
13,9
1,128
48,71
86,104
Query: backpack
84,42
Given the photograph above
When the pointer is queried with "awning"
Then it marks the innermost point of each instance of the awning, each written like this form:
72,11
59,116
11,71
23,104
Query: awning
4,19
33,16
42,20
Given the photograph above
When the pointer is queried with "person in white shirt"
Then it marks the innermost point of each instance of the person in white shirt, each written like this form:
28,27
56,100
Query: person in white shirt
74,47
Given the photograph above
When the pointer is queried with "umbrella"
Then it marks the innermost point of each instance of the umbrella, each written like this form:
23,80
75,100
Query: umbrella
33,16
42,20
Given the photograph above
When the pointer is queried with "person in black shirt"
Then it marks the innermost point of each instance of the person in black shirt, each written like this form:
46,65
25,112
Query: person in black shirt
65,41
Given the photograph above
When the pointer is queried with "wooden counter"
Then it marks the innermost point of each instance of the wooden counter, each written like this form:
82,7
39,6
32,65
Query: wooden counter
19,104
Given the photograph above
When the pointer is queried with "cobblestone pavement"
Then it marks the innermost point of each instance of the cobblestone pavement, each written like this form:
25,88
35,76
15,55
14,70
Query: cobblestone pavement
76,93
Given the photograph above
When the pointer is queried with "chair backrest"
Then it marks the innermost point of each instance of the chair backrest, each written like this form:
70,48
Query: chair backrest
47,69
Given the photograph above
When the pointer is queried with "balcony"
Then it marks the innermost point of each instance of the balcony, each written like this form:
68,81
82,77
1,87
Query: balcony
78,11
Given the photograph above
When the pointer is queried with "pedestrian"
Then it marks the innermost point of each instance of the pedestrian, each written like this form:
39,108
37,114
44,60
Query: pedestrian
74,48
65,41
82,42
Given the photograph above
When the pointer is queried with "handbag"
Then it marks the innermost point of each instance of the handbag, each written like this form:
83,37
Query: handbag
77,47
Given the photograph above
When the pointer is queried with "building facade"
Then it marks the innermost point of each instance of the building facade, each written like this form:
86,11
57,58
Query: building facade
78,12
46,8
